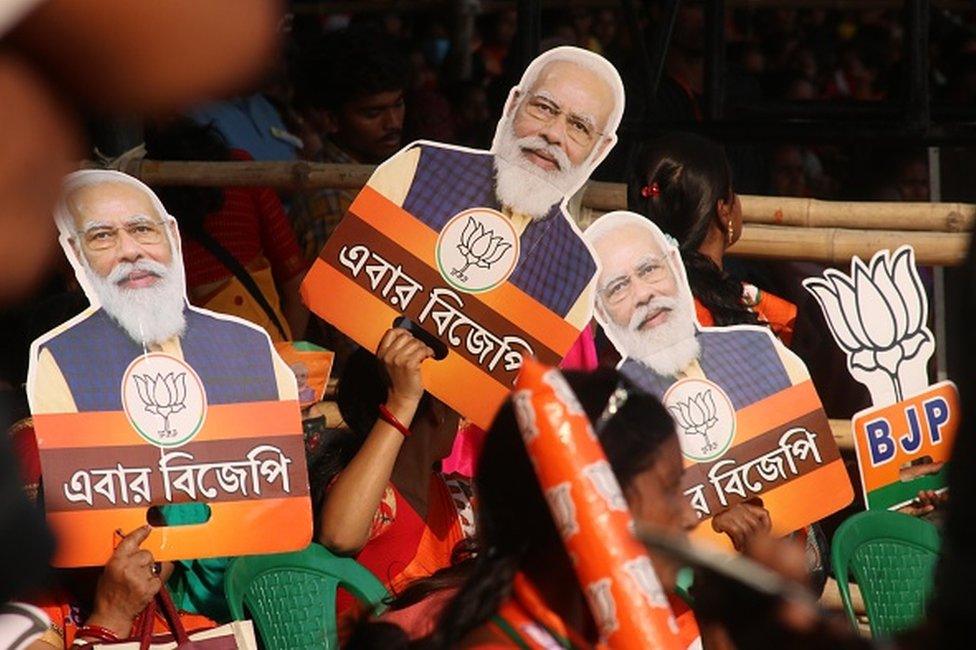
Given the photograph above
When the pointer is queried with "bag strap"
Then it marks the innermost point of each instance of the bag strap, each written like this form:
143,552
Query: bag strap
225,257
172,615
146,625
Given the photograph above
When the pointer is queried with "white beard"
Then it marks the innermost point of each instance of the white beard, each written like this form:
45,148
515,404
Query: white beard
668,348
150,314
524,186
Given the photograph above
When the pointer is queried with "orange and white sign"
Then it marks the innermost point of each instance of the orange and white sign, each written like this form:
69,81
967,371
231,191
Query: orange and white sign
748,418
624,593
878,315
903,448
148,410
476,248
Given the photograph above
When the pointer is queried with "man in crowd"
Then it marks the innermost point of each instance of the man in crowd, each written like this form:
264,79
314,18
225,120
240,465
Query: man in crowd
558,124
350,89
645,305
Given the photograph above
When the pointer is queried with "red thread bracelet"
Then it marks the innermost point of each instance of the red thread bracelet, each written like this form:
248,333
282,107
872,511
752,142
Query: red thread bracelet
387,416
97,632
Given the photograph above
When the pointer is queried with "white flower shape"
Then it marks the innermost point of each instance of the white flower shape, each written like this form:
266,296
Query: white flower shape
696,416
479,246
877,314
163,396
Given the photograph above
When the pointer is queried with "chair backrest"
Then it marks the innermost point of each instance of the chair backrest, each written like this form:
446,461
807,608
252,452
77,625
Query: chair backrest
891,557
291,597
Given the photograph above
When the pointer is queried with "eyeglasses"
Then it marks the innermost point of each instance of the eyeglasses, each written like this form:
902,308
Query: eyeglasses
579,129
651,271
99,238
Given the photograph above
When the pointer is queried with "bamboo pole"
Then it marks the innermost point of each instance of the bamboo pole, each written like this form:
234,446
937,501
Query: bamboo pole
598,197
843,435
811,213
279,175
776,228
837,245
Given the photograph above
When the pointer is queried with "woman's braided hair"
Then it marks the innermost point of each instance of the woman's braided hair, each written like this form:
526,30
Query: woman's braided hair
689,174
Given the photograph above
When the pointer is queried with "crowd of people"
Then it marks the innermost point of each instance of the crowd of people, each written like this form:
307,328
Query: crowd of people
357,88
449,518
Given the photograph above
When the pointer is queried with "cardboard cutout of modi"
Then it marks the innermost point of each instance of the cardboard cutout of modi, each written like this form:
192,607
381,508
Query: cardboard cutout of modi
143,400
476,248
748,417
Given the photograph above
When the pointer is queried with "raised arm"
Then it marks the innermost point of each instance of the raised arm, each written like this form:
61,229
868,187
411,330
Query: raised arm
352,500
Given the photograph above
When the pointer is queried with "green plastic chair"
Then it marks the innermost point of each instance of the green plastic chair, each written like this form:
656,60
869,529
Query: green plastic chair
291,597
892,557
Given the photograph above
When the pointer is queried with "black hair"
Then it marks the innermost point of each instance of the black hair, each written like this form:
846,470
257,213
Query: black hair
362,387
692,174
184,139
346,65
514,522
632,437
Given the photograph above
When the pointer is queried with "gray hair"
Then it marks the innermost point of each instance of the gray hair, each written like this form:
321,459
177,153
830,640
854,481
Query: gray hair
612,221
586,59
89,178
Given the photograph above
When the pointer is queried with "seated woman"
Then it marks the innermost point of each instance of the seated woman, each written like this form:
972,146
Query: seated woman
379,494
683,183
522,568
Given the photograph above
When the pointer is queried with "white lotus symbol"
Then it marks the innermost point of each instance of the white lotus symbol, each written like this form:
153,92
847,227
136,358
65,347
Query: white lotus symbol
162,395
878,315
696,416
479,246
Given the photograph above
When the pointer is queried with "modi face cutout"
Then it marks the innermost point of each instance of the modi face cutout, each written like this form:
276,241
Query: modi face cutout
141,387
642,295
477,248
559,123
126,243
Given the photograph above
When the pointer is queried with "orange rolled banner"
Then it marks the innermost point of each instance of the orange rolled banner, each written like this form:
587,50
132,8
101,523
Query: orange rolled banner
588,507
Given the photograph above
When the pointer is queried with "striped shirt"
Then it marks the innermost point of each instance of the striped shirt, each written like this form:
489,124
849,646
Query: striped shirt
251,224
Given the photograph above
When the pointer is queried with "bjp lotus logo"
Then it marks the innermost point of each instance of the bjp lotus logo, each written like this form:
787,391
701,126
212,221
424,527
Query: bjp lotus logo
163,396
163,399
704,417
877,315
696,417
480,247
477,250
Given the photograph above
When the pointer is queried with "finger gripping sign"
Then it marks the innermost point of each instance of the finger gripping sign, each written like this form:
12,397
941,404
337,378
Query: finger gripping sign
616,575
143,403
747,416
477,247
877,315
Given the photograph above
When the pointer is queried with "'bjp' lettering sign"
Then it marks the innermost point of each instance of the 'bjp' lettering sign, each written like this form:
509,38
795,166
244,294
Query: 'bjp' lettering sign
902,448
